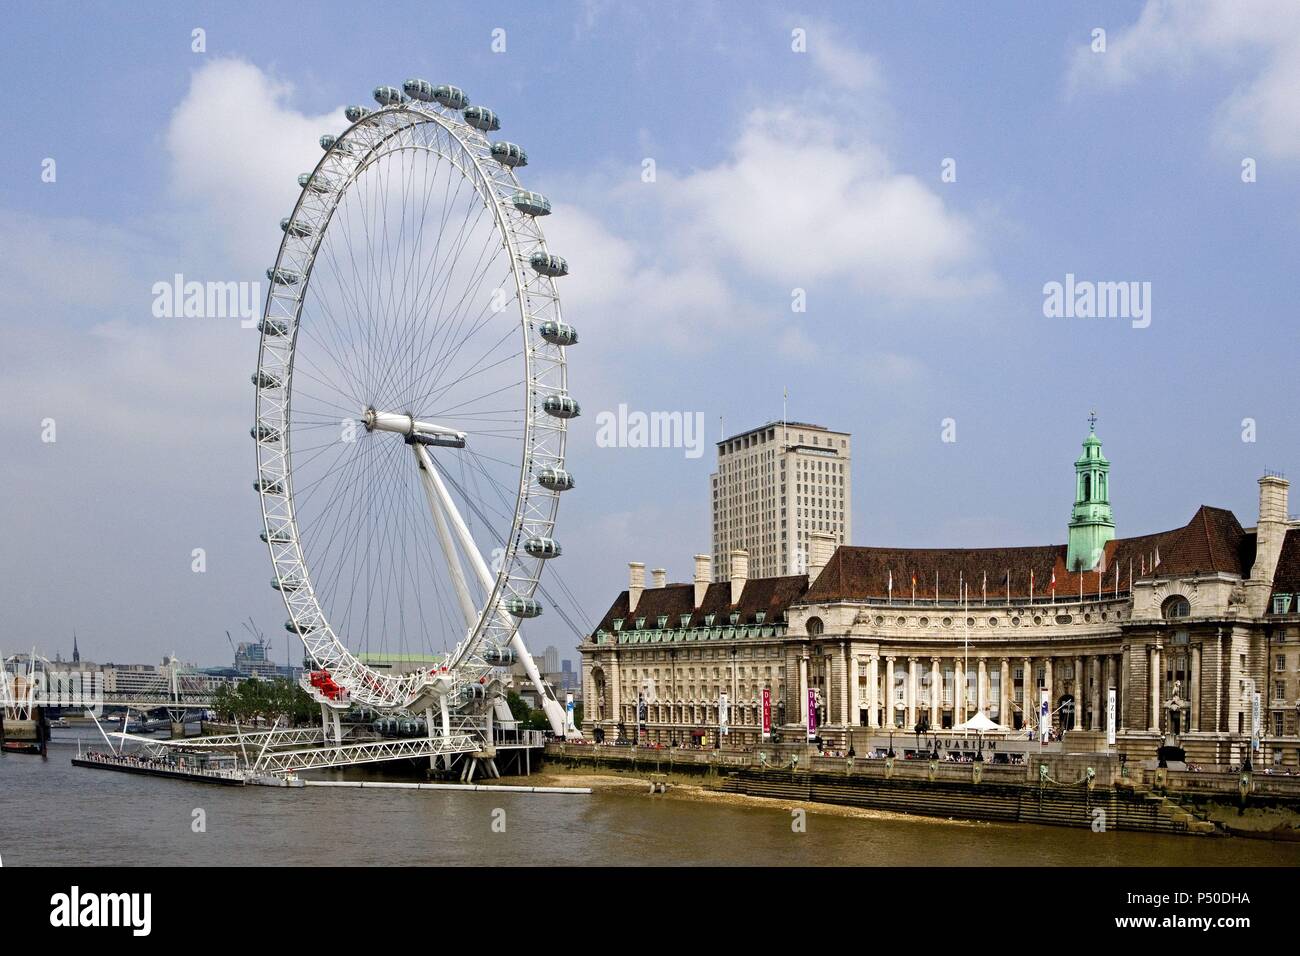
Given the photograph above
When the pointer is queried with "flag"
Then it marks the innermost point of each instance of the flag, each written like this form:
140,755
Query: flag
891,585
1031,585
913,587
1008,585
1157,561
1053,582
984,588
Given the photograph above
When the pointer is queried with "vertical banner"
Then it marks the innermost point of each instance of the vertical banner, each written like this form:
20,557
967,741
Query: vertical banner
724,716
767,713
1044,714
1256,720
812,714
568,713
1110,717
640,713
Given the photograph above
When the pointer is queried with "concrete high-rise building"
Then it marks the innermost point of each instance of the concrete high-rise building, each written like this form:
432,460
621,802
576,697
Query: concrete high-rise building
551,659
774,486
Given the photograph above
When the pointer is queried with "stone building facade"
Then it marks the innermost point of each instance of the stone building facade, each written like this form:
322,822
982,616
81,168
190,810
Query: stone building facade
1185,625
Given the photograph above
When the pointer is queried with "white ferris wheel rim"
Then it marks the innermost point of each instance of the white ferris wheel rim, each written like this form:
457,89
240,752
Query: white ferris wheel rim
363,143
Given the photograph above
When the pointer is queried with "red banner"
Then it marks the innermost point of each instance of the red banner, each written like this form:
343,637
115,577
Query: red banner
767,712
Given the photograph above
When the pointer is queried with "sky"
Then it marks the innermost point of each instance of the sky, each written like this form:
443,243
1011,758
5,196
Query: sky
915,174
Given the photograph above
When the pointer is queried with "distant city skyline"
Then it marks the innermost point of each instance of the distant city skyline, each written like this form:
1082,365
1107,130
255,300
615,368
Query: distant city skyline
872,226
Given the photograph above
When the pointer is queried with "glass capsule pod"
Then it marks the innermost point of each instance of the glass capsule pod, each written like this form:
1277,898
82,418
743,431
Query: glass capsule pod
418,89
304,628
524,607
499,656
283,276
264,432
452,97
264,379
273,326
299,230
330,141
388,96
276,537
270,486
558,333
314,183
542,547
482,118
287,585
356,113
509,154
544,263
561,406
555,479
531,203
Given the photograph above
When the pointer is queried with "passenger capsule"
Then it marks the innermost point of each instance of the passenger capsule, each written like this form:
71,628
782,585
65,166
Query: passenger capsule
557,333
419,90
555,479
357,113
499,656
389,96
509,154
272,326
531,203
330,141
524,607
452,97
283,276
305,627
276,537
299,230
287,585
541,547
315,183
544,263
264,432
560,406
264,379
269,486
482,118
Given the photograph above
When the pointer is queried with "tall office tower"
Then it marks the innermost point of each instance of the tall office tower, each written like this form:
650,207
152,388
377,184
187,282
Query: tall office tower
774,485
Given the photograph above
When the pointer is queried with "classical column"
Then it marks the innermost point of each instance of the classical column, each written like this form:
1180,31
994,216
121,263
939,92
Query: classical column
1080,686
982,688
855,692
888,688
958,691
1051,691
1004,694
1153,684
801,711
911,692
844,687
1098,700
1194,688
873,691
1028,706
936,694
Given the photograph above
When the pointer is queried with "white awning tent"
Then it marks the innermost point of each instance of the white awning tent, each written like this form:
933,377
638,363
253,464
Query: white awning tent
981,724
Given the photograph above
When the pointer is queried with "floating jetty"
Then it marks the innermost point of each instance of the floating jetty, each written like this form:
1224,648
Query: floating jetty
161,768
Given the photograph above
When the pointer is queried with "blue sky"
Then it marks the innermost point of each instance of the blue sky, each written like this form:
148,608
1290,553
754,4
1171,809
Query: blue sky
776,170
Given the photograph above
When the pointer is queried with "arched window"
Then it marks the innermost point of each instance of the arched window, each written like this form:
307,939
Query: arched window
815,626
1175,606
1087,487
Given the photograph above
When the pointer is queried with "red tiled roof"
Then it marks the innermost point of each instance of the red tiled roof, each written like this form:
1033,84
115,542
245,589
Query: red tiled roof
770,595
1286,579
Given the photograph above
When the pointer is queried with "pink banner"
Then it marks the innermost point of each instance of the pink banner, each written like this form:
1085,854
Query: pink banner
767,712
812,714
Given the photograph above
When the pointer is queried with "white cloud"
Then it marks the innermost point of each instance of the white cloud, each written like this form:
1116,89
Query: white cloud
1260,40
237,148
842,65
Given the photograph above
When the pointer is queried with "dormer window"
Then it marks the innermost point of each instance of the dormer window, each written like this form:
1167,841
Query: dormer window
685,620
1281,603
640,623
735,617
708,620
663,620
618,624
760,617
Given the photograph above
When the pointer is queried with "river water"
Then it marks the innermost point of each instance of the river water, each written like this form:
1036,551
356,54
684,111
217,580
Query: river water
52,813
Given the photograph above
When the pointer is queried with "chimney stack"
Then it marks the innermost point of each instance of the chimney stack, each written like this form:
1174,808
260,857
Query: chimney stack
635,584
659,576
739,573
821,546
1271,529
703,573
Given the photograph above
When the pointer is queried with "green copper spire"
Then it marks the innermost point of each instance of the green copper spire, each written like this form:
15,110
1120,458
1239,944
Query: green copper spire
1092,524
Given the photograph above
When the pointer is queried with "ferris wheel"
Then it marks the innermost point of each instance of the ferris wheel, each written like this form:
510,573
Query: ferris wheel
412,403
